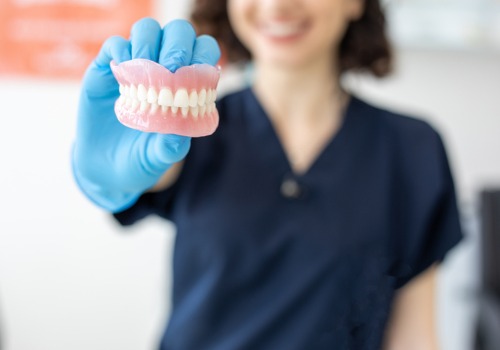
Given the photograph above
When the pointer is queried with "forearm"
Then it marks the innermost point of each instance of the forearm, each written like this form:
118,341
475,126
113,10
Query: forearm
412,325
168,178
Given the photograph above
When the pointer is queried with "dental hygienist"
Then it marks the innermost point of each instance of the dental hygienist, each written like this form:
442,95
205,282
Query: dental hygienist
310,219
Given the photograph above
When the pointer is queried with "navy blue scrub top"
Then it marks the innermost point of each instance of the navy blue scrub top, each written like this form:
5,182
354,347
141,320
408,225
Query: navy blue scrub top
268,259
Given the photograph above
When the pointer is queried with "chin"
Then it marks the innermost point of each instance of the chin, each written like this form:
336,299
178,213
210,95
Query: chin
285,61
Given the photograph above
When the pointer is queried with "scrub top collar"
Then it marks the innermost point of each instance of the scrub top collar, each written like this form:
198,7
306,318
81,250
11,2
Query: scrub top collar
263,132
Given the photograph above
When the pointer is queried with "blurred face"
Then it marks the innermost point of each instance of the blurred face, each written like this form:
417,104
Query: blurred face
292,32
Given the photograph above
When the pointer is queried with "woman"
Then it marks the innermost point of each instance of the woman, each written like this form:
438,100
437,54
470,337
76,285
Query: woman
310,219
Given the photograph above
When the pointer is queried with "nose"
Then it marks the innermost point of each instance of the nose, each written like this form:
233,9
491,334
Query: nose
278,8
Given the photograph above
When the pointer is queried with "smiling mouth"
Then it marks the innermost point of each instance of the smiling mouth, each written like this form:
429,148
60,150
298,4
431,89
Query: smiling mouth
283,30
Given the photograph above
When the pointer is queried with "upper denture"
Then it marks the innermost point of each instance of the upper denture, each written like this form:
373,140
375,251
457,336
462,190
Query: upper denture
147,81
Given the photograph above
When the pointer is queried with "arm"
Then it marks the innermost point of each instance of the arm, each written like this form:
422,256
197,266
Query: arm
168,178
112,164
412,323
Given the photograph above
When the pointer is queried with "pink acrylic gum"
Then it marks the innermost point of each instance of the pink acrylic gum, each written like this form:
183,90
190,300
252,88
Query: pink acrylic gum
153,99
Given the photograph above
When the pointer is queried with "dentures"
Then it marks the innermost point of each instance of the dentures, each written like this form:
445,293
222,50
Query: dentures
153,99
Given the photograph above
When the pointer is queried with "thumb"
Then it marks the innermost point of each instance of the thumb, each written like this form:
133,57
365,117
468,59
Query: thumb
98,78
164,150
114,48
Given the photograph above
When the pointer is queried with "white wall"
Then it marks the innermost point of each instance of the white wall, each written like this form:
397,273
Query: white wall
70,278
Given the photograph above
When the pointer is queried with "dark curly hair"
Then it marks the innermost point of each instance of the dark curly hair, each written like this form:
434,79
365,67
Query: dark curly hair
364,47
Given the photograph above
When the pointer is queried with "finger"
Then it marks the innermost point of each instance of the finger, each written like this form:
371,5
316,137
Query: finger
145,39
115,49
167,149
177,45
206,50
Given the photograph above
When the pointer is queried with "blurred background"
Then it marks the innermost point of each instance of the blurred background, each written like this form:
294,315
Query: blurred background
70,278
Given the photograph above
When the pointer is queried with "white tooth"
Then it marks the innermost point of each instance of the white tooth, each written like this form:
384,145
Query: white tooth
181,98
212,107
152,95
154,107
175,109
202,97
193,99
144,106
165,98
135,104
142,93
128,102
184,111
164,109
214,95
195,111
133,91
126,91
209,96
203,110
282,29
121,89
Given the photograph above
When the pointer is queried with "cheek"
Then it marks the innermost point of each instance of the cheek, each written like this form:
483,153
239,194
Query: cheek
239,13
332,25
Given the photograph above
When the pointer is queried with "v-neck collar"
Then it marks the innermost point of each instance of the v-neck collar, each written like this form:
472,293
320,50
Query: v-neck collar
265,133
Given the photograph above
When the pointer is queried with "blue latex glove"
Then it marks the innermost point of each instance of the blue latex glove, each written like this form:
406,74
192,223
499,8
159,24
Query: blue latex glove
113,164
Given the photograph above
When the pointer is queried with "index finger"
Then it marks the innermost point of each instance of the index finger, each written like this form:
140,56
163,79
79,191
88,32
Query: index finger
177,45
145,39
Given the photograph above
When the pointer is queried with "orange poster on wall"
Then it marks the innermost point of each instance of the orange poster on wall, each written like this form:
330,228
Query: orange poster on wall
59,38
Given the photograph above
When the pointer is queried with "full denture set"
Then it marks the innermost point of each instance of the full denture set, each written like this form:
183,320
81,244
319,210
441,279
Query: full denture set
153,99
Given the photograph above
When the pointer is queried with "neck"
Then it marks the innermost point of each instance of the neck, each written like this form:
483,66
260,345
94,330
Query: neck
299,93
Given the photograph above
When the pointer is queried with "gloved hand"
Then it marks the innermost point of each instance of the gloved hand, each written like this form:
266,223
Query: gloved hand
113,164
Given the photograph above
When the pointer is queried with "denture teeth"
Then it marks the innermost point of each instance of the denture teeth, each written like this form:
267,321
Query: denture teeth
202,97
135,104
181,98
195,111
193,99
139,97
152,95
213,95
209,97
142,93
154,107
133,91
165,98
